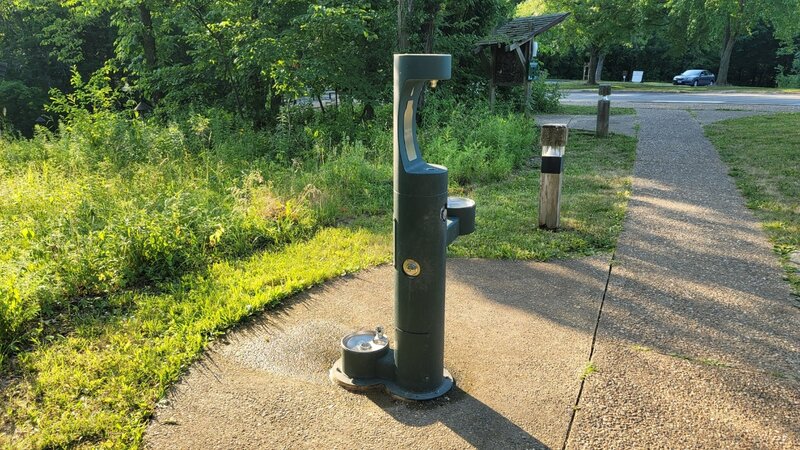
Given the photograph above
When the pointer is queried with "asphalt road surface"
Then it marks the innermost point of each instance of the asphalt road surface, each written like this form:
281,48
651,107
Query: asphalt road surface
722,98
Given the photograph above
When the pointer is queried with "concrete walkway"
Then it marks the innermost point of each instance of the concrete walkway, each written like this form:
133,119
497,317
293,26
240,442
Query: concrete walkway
691,331
698,343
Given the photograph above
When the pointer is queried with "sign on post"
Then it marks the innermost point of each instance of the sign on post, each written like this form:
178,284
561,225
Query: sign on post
637,76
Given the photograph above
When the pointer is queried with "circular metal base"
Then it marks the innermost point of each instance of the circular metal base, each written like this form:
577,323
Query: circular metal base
367,384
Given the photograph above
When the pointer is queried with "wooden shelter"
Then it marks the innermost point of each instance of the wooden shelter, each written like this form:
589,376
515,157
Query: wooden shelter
513,51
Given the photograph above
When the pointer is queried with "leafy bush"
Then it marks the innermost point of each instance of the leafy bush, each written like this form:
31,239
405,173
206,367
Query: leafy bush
20,105
792,78
545,97
474,144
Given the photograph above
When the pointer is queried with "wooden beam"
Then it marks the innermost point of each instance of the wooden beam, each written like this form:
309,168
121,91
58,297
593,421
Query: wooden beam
522,59
492,85
527,51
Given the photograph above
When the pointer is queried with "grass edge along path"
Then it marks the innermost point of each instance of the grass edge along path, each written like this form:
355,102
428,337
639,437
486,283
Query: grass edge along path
591,110
763,157
98,387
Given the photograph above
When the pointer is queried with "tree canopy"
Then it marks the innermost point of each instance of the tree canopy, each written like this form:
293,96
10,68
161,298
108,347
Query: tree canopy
249,56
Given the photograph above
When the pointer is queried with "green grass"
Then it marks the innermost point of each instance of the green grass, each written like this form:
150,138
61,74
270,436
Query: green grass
651,86
591,110
97,384
596,187
763,156
127,247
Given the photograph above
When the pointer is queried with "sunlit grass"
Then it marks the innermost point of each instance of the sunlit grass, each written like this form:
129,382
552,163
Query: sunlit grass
763,156
591,110
98,385
596,186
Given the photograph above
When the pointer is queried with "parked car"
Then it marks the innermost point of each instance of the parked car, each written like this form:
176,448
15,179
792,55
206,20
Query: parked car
695,77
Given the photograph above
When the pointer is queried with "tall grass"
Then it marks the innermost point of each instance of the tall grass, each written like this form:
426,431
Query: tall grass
110,204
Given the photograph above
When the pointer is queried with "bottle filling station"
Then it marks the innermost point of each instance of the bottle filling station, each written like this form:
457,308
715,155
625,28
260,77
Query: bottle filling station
425,222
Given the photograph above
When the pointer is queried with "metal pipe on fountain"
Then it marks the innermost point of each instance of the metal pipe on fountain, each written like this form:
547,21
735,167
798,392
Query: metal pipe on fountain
425,222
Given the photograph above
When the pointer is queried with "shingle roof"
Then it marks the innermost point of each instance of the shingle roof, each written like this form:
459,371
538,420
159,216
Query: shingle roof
522,29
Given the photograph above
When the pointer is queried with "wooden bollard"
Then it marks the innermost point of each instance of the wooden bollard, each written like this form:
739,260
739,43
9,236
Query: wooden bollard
554,142
603,110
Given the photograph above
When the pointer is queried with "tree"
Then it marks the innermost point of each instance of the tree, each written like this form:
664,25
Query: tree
594,26
727,20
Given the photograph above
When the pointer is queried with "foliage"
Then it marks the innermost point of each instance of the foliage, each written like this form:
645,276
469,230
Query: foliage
545,97
245,57
473,144
721,22
594,26
792,78
770,186
20,105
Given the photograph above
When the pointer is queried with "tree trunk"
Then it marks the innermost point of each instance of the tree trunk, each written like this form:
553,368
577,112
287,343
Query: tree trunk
149,44
725,55
148,39
599,70
428,32
321,106
429,26
403,11
257,100
592,67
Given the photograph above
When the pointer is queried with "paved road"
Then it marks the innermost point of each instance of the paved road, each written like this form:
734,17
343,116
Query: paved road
730,98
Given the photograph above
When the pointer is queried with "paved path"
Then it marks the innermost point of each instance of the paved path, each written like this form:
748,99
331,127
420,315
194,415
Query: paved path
518,336
697,343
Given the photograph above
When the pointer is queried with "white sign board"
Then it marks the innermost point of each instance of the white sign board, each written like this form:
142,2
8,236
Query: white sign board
637,76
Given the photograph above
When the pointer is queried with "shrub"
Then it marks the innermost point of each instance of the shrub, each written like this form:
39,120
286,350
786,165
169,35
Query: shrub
545,97
474,144
792,78
20,105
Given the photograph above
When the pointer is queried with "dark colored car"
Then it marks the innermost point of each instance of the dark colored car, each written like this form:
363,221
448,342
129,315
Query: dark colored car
695,77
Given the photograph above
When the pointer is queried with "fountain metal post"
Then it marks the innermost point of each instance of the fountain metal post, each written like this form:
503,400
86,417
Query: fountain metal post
425,222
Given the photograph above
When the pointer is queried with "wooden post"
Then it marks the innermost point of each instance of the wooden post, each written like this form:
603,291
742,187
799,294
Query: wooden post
527,51
554,141
603,111
492,85
528,112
